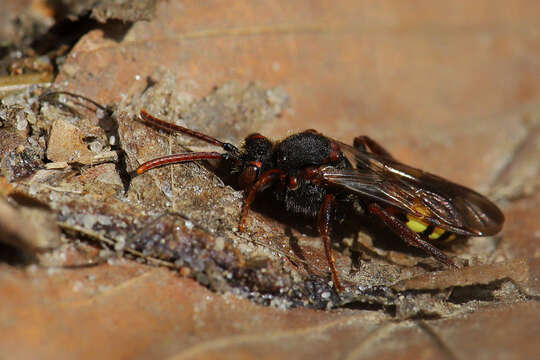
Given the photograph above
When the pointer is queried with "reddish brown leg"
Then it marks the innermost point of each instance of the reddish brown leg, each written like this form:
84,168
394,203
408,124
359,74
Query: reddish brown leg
179,158
261,184
324,220
407,235
362,142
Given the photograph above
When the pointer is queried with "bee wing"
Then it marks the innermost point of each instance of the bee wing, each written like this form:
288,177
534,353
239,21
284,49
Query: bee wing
448,205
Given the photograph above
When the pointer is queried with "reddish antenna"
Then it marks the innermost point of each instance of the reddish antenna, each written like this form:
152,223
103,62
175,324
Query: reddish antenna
231,150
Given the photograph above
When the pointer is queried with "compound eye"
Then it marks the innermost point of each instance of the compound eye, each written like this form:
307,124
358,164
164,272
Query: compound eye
250,174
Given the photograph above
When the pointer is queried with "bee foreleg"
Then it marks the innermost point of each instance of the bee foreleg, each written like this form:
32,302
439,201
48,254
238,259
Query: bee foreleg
265,180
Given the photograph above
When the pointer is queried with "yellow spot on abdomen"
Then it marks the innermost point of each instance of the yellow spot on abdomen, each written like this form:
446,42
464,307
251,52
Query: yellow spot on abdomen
436,233
415,224
418,225
450,238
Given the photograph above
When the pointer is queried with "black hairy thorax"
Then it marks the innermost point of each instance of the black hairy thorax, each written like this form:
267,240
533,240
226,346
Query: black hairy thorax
295,153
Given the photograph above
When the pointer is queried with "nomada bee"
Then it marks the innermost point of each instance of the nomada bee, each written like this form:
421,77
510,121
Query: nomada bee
310,174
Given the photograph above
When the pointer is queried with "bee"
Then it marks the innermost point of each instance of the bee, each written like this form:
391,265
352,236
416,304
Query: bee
311,175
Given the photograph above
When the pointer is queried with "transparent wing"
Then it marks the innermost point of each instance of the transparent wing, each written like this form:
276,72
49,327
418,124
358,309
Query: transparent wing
448,205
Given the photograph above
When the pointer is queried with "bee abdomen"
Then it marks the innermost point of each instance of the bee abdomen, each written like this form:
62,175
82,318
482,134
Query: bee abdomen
427,230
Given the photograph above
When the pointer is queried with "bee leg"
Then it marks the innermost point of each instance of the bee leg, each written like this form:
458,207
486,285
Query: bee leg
407,235
265,180
364,142
324,219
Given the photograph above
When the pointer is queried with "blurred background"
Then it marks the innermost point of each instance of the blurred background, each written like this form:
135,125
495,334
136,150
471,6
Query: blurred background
450,87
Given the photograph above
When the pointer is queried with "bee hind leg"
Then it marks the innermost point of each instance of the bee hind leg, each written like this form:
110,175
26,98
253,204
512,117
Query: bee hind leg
409,236
364,142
